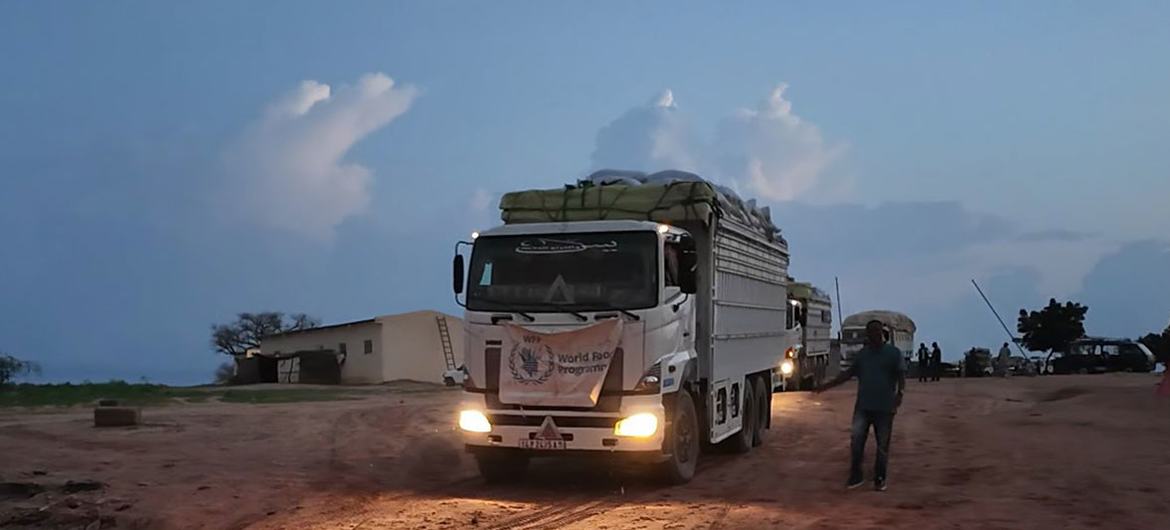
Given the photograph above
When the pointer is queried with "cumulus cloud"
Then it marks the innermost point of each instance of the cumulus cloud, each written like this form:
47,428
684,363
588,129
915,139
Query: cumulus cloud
1054,234
481,201
288,171
648,138
778,155
481,212
767,151
1128,290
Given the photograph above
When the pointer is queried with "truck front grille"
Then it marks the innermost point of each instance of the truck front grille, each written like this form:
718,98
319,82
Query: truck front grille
561,421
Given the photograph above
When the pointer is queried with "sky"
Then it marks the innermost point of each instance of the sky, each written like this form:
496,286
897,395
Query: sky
166,165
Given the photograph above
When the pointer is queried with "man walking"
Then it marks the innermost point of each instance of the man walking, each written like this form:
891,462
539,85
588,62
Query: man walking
881,379
923,362
935,362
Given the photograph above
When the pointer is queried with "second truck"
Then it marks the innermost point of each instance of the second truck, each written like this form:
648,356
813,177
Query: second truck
807,365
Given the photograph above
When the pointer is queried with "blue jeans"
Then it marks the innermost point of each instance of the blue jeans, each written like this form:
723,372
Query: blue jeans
883,426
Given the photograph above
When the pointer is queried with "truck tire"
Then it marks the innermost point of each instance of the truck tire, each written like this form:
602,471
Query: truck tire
683,438
498,467
763,414
741,441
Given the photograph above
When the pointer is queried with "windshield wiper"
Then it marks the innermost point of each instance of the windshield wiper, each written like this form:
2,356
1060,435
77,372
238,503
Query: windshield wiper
629,314
506,307
565,309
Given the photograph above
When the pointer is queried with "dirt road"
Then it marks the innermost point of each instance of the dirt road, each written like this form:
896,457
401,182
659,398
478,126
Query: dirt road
1078,452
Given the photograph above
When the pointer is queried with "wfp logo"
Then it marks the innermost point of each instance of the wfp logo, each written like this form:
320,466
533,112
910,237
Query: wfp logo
531,363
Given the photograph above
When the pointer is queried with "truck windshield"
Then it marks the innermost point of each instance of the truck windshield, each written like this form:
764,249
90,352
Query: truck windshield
579,272
853,336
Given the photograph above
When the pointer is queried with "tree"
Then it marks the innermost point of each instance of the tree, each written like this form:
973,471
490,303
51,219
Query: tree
11,368
225,373
246,332
1159,345
1054,327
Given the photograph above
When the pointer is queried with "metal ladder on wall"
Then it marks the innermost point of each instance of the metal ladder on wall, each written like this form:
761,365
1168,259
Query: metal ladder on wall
445,338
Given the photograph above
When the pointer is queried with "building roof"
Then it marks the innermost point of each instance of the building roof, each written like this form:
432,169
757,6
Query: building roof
320,328
374,320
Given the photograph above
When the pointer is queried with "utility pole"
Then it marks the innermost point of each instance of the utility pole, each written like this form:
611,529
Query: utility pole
840,322
1011,337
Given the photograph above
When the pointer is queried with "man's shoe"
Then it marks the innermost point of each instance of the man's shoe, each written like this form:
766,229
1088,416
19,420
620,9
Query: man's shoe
879,484
854,483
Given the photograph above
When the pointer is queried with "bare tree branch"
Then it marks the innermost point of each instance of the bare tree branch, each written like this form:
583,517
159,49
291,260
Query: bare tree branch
249,329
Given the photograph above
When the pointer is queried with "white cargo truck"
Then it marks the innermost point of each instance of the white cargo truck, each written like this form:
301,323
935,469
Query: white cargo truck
632,315
811,312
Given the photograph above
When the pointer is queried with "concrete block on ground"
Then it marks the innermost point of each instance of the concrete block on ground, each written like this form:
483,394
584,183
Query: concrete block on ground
116,416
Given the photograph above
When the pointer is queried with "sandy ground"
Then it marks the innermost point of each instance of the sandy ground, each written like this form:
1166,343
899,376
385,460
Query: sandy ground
1065,451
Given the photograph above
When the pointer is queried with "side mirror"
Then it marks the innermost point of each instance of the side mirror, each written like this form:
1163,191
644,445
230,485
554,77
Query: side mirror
457,274
688,275
688,265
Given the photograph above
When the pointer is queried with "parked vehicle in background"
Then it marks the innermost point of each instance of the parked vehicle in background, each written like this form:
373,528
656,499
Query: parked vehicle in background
947,369
811,310
1077,363
1092,355
1042,363
977,363
900,331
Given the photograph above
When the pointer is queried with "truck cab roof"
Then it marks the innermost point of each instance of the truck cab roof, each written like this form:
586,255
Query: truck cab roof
575,227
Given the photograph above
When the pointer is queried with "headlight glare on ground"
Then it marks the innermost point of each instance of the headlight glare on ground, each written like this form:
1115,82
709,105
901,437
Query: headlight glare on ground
474,421
640,425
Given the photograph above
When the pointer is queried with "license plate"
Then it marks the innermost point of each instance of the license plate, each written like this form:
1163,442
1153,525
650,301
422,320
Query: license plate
542,444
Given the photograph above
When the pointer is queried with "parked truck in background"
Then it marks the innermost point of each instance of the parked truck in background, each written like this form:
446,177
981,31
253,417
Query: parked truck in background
696,276
811,312
899,330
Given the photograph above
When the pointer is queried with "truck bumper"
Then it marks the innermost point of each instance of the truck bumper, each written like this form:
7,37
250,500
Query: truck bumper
578,441
581,432
654,456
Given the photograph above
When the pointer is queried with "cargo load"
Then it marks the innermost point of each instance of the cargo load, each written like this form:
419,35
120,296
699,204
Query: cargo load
674,197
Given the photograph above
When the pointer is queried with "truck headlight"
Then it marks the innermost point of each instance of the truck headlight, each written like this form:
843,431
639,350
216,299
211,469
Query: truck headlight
787,367
474,421
642,425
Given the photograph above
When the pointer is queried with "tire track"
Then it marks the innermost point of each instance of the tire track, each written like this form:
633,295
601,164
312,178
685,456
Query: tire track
560,514
564,513
586,512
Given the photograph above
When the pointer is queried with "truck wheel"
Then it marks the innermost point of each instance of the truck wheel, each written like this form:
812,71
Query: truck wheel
683,438
498,467
764,413
741,441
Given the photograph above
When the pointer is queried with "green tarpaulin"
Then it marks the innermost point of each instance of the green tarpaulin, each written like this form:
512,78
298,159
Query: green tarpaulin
675,202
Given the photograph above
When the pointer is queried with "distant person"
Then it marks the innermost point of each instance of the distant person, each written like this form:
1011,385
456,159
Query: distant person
923,362
1164,386
1003,360
881,379
935,362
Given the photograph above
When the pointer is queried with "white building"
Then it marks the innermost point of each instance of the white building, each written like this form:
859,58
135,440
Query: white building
386,348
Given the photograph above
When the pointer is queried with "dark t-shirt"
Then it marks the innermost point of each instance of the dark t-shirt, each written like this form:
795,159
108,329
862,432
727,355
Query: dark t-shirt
878,372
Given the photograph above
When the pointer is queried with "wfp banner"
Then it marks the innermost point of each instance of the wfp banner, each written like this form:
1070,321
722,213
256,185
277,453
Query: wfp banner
563,369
